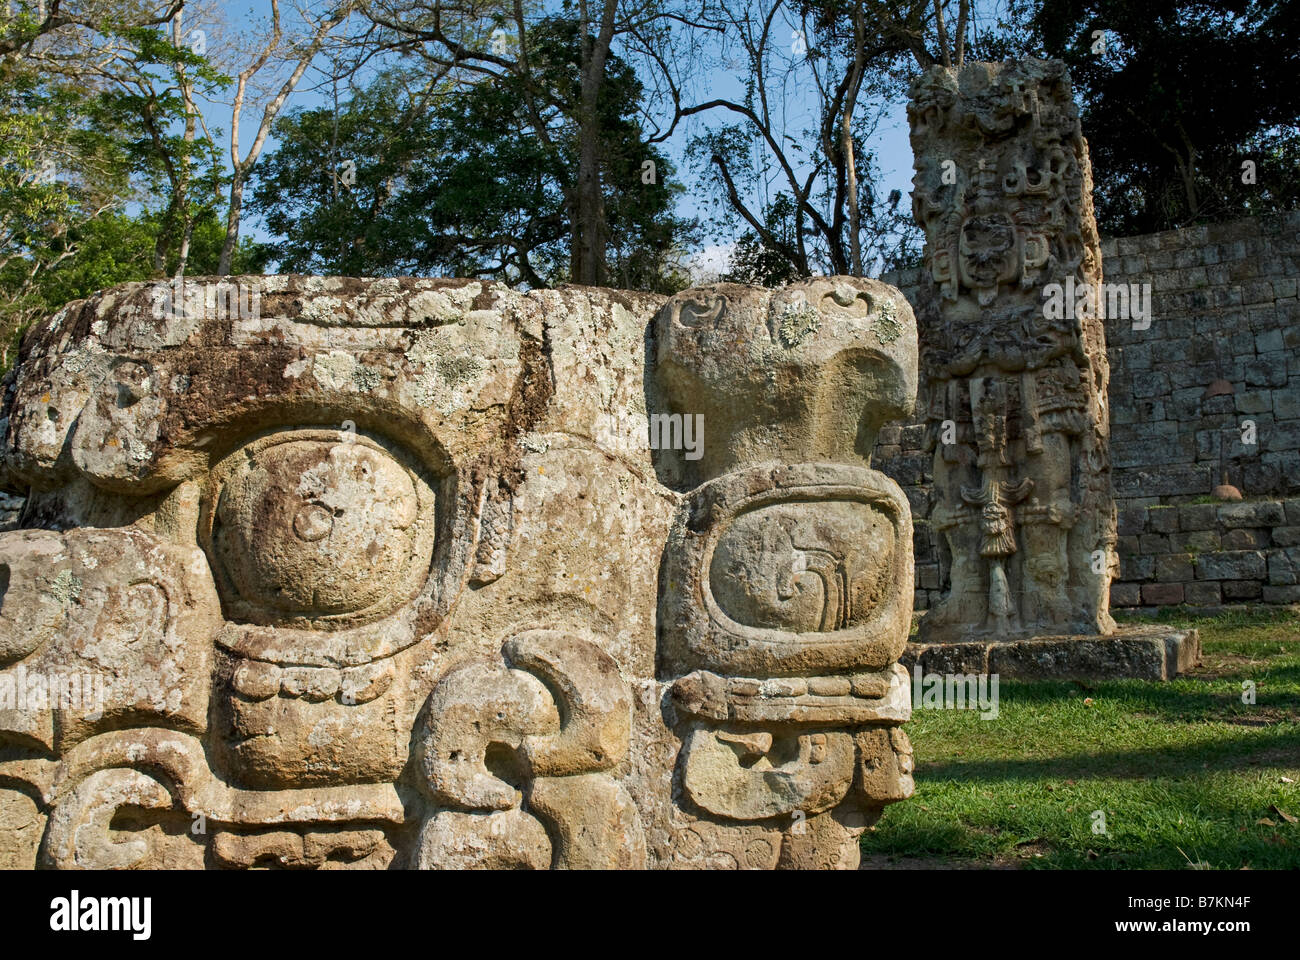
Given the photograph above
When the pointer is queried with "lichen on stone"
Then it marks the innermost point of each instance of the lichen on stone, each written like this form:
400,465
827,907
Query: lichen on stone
799,321
534,444
887,327
65,587
366,378
458,371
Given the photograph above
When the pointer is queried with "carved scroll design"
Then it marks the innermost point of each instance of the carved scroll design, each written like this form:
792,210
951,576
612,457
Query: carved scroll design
517,758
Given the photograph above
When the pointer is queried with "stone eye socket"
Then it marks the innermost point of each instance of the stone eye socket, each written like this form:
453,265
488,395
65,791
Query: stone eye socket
701,312
303,527
845,299
804,567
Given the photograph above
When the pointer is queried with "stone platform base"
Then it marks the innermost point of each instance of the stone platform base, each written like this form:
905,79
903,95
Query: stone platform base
1139,652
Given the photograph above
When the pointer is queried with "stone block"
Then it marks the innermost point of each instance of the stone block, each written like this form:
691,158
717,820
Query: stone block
1200,516
1245,539
1281,571
1162,594
1149,653
1239,590
1175,568
1232,565
1162,519
1153,543
1203,594
1252,513
1131,521
1125,594
1137,567
1196,542
1264,371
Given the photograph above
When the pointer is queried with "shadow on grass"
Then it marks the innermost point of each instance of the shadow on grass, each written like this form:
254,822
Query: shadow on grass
1276,688
1281,748
938,849
1152,824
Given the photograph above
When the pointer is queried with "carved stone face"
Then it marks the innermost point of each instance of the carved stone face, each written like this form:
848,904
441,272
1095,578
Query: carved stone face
773,372
989,254
358,576
1013,222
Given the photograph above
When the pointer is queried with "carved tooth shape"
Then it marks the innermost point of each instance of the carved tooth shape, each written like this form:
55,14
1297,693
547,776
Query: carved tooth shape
598,704
815,780
503,840
596,824
367,682
474,707
753,745
256,680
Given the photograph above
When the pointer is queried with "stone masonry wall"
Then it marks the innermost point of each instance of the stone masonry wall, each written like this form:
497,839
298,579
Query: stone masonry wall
1224,307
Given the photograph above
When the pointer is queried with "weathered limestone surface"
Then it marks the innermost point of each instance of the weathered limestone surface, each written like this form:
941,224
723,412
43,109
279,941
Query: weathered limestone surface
384,574
1018,413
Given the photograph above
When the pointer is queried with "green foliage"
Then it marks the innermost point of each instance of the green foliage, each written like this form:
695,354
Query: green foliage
81,147
61,166
1185,92
459,183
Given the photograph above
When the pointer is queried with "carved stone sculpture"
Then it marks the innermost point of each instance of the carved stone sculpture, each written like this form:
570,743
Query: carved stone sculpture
356,576
786,593
1017,414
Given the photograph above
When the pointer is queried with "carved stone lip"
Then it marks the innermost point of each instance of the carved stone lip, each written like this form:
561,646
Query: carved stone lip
180,761
877,697
261,680
698,633
314,648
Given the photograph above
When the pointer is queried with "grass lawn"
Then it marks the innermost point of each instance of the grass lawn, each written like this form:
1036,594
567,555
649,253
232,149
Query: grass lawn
1186,774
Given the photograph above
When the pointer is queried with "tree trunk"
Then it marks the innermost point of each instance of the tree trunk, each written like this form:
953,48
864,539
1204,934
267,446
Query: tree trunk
846,131
589,230
588,245
232,222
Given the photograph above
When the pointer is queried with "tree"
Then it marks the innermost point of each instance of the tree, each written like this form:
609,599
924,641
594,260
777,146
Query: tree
791,164
23,23
1179,97
97,116
280,52
61,167
454,179
491,43
151,91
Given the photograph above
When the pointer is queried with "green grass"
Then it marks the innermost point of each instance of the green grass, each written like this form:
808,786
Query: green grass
1184,771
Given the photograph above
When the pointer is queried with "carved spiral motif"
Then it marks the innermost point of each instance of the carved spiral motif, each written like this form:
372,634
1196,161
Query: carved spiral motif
803,567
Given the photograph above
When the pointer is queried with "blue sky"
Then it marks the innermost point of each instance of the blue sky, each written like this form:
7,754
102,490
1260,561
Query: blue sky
248,21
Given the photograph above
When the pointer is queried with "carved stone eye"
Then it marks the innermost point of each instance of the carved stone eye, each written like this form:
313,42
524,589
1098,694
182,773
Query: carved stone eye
803,567
846,299
701,311
300,527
